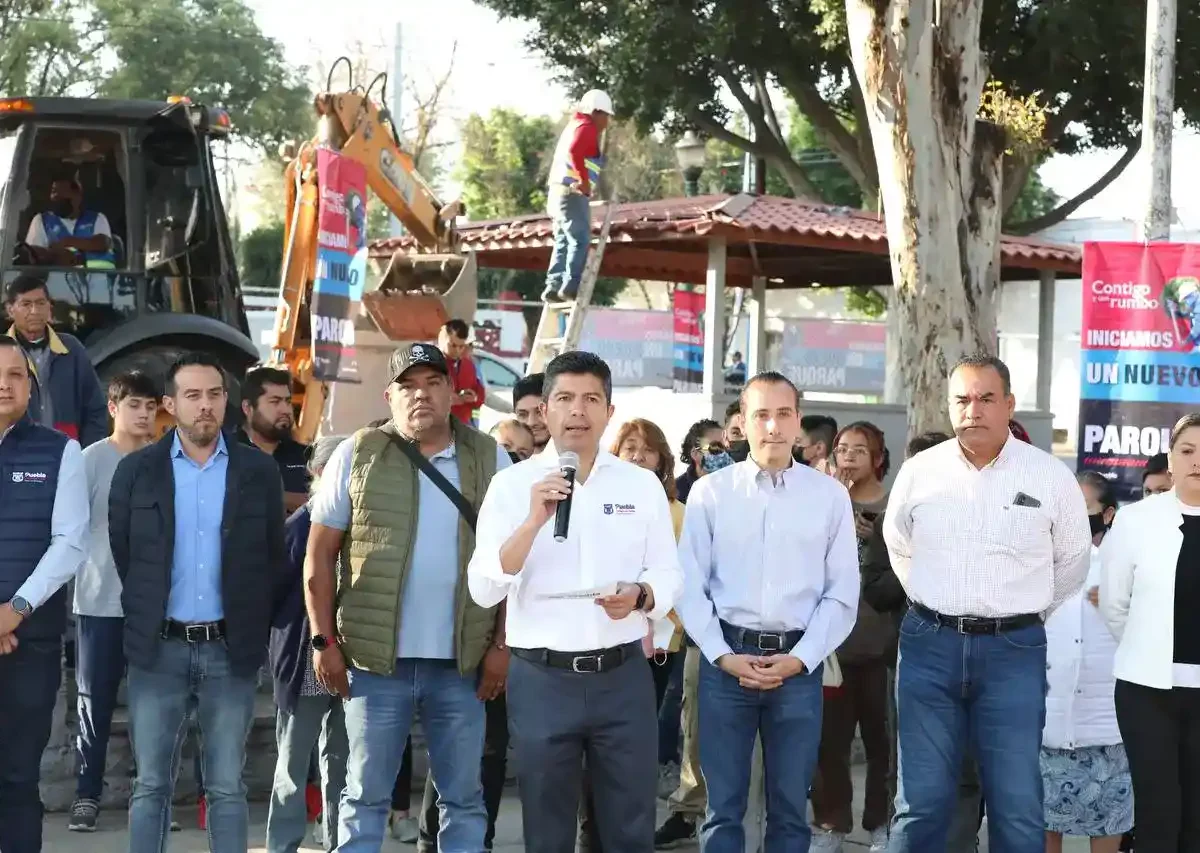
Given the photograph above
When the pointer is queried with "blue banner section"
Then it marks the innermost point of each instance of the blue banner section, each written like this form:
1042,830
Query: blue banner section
1140,376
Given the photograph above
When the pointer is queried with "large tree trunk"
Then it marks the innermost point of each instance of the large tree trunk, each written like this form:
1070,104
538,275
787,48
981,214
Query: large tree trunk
922,74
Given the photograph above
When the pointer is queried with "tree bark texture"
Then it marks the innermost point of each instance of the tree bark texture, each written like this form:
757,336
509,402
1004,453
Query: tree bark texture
940,176
1158,110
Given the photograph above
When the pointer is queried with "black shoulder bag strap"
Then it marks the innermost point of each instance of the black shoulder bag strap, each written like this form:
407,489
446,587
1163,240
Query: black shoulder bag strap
435,476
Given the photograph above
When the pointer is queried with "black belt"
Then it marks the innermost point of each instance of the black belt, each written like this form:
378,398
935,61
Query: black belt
202,632
597,660
764,641
978,624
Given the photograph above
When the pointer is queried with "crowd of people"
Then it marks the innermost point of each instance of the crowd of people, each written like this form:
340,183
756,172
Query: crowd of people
1002,636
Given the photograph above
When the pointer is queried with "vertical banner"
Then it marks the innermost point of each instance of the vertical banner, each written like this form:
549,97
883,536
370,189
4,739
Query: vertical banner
341,266
1139,354
688,308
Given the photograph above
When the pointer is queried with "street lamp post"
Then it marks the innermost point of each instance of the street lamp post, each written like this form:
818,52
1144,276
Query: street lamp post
689,153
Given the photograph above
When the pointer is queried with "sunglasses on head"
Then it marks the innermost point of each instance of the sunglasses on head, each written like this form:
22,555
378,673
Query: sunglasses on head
713,449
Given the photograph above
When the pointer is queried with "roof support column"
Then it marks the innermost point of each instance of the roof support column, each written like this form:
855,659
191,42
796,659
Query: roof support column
1045,340
714,319
757,361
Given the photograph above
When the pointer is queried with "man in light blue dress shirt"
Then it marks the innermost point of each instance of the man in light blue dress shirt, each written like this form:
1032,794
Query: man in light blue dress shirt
196,529
771,585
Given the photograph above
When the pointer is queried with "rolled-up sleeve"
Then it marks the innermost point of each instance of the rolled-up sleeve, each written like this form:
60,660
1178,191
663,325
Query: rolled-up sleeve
69,523
499,517
660,567
836,612
695,606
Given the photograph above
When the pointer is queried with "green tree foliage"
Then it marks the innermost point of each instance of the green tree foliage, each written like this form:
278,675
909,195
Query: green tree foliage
667,65
210,50
504,171
261,256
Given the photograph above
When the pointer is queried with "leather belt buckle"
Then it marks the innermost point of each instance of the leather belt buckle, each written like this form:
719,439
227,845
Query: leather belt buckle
577,663
197,633
770,642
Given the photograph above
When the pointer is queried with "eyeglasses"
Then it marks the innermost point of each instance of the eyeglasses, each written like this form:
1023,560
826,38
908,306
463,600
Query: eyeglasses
31,305
713,449
851,452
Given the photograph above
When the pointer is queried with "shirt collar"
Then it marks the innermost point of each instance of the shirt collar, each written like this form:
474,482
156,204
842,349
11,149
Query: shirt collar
177,445
1005,454
751,472
548,458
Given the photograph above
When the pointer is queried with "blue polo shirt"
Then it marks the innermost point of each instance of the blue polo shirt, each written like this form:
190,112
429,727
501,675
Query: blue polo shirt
199,506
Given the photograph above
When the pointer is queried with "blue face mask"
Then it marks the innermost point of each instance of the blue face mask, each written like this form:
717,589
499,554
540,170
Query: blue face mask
715,461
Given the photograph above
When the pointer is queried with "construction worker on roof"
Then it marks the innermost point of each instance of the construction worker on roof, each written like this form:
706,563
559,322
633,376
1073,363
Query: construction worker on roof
573,176
66,233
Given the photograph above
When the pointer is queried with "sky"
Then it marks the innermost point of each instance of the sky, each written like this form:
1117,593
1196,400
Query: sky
493,68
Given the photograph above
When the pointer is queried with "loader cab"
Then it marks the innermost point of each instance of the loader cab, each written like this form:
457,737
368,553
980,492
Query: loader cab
146,174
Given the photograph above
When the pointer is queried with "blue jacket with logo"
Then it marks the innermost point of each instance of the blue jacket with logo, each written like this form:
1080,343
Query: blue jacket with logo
30,456
80,405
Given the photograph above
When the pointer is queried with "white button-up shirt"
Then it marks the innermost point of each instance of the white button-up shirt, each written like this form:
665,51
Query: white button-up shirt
1008,539
620,532
769,557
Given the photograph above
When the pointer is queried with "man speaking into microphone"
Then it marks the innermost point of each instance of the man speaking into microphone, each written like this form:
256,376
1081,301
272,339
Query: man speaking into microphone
578,682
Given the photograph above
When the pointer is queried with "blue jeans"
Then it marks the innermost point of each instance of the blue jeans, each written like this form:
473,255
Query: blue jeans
184,676
670,705
29,679
572,234
379,716
313,718
732,717
99,668
988,692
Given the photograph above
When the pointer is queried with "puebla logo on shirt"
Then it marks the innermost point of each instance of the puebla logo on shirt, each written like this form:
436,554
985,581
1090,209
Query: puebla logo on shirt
29,477
618,509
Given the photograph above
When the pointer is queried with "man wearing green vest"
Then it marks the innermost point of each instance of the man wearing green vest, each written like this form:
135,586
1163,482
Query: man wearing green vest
394,628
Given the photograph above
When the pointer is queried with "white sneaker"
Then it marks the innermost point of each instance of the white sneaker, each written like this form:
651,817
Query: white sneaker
318,834
403,829
668,780
879,839
826,841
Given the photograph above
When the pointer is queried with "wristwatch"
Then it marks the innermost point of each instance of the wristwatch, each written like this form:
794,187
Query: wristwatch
319,642
21,606
641,599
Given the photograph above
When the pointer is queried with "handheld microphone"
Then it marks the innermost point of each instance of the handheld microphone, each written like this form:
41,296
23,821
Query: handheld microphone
568,463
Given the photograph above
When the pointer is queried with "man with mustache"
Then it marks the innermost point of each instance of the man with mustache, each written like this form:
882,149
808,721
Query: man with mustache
267,406
196,529
394,630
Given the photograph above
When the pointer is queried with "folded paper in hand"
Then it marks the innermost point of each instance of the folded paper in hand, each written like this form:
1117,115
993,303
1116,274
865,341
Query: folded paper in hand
595,592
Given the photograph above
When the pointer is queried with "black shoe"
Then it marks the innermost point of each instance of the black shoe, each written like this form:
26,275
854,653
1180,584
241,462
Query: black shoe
675,830
83,816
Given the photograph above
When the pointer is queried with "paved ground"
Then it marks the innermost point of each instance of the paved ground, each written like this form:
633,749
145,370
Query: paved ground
112,837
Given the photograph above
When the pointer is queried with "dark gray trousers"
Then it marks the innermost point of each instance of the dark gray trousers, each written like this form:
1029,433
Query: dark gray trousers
557,717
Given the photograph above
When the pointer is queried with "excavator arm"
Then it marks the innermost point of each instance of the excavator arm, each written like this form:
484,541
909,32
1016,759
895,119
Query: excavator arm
416,294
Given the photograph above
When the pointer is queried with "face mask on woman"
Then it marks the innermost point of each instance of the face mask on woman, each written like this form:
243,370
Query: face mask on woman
715,461
1099,525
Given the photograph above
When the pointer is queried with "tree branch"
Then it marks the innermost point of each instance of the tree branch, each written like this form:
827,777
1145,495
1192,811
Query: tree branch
1068,207
782,160
829,128
764,98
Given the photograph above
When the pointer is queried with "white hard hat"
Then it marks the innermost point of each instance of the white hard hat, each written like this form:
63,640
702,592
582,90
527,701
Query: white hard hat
597,100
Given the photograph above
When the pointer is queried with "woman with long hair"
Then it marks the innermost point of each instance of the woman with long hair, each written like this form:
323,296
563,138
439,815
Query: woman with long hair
861,461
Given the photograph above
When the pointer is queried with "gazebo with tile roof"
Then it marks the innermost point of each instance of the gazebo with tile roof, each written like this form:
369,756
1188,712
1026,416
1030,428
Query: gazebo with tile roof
750,241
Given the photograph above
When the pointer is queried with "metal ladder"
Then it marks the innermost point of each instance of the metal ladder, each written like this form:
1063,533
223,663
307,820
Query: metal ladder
561,323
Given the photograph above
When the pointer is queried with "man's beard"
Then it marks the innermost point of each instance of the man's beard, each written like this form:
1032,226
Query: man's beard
271,431
203,433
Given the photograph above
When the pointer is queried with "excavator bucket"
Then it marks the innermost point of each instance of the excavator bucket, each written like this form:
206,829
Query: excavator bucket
419,293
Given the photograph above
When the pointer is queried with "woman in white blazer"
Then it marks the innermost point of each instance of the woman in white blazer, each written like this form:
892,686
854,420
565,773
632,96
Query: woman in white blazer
1085,772
1149,595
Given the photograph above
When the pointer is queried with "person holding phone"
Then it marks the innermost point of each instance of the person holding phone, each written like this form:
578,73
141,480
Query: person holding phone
860,703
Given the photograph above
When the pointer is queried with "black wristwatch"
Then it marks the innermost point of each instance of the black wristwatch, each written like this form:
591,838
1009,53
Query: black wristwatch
319,642
641,599
21,606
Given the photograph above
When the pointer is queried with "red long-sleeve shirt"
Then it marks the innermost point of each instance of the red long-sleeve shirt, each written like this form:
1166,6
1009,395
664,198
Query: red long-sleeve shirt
463,375
586,143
